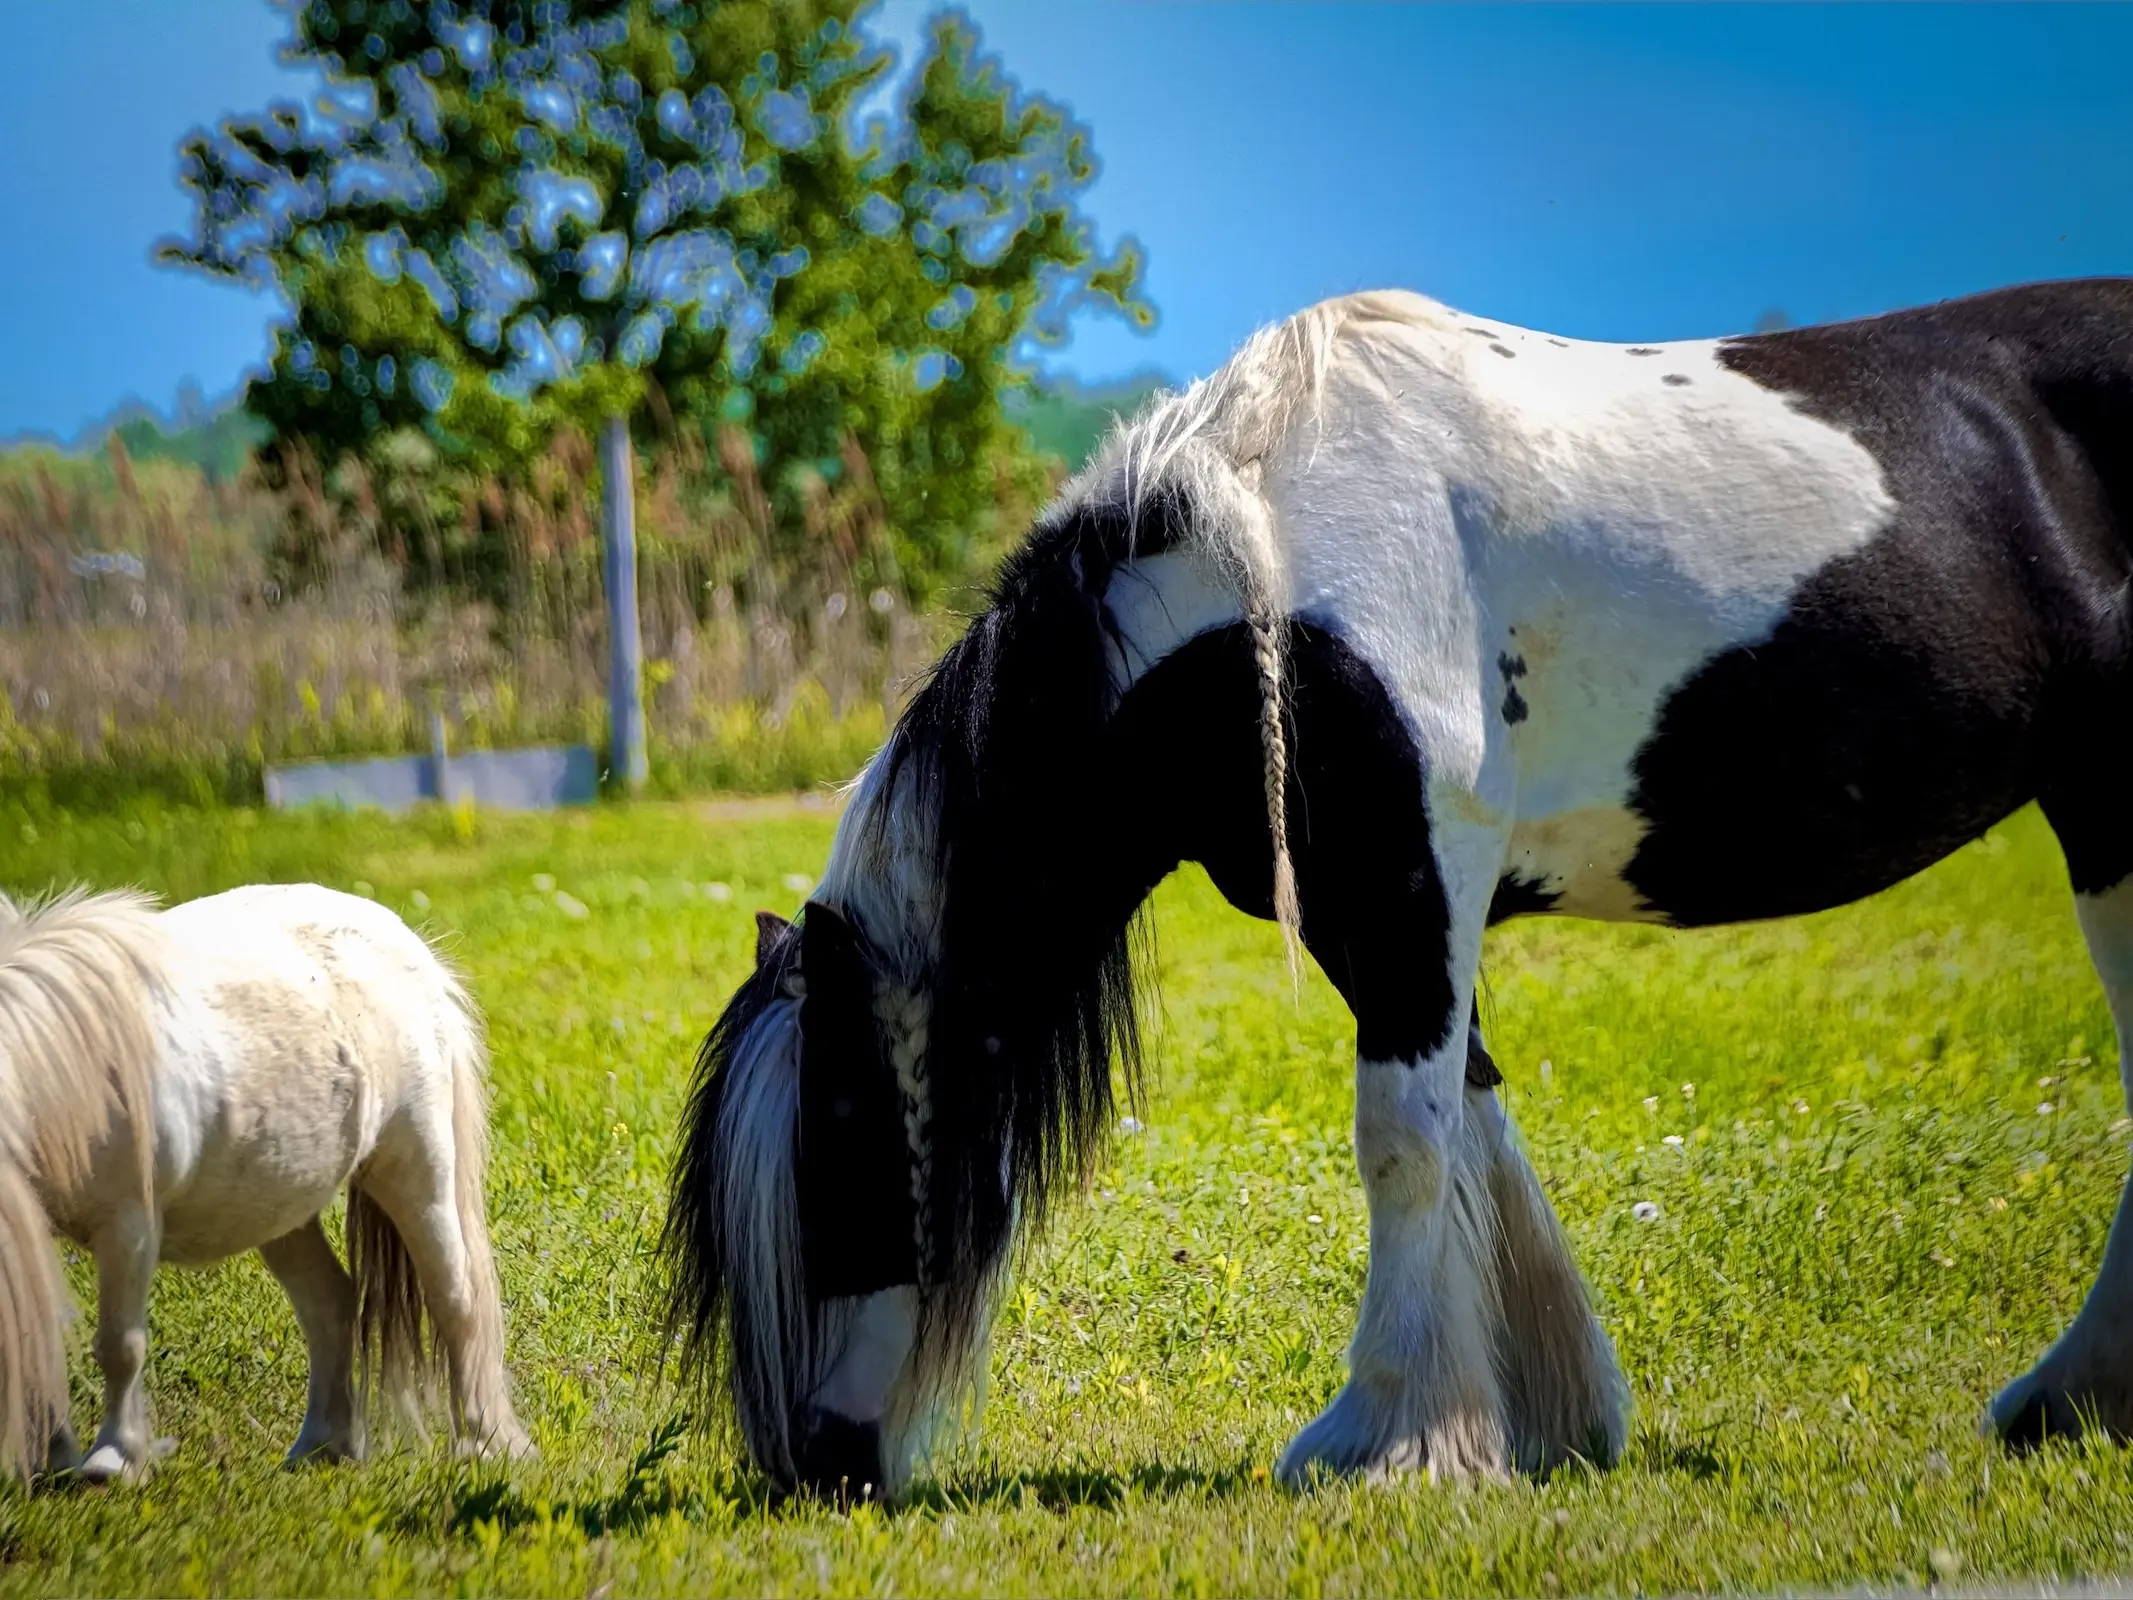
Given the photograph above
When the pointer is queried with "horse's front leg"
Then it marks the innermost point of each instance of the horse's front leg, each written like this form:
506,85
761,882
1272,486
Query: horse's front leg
1422,1391
125,1248
2087,1375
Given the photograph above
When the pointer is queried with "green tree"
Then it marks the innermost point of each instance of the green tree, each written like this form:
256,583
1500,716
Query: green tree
504,216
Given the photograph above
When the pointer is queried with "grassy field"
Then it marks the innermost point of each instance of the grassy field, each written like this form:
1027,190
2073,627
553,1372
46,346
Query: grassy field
1900,1141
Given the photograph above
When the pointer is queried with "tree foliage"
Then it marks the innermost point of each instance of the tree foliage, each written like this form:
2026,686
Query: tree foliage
507,217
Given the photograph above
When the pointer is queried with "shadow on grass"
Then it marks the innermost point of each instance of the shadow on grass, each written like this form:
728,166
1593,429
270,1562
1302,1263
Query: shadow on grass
647,1494
1070,1488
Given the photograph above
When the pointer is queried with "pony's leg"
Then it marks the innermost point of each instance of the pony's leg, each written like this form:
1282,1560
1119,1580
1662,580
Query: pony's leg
412,1177
63,1454
324,1299
1422,1390
125,1248
1564,1394
2090,1369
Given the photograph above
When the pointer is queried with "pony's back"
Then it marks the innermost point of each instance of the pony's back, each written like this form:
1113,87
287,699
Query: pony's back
77,1051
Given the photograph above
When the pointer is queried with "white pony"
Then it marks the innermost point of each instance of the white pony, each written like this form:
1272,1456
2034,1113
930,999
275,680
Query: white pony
184,1085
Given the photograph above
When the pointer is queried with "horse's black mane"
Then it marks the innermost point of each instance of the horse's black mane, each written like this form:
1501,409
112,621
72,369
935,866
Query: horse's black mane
1035,992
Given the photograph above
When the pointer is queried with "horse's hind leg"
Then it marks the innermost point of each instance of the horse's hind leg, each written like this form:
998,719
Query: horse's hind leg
324,1298
125,1248
2089,1371
1564,1394
412,1176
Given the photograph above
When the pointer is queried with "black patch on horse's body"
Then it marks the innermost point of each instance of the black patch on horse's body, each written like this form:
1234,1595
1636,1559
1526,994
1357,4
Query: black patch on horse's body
1971,657
1187,739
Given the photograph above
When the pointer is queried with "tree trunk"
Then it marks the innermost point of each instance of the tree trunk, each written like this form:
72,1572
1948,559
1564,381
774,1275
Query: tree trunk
627,759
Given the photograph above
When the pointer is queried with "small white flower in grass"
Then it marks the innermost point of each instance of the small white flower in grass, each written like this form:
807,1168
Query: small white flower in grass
1651,1102
798,882
1645,1211
1314,1217
718,891
1673,1139
2045,1108
364,889
1799,1108
419,900
571,906
545,882
1129,1124
2123,1125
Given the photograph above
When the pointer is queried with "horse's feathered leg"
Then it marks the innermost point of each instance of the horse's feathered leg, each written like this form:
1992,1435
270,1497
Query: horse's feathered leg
2089,1371
1422,1392
1564,1392
324,1298
125,1247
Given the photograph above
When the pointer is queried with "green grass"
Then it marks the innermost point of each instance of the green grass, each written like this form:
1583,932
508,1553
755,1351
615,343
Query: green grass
1870,1226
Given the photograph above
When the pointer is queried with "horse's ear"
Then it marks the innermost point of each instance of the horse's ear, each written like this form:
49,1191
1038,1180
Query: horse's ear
826,939
769,929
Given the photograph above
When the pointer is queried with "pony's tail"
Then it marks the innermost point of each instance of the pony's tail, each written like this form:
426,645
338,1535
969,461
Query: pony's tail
392,1321
479,1395
395,1324
33,1302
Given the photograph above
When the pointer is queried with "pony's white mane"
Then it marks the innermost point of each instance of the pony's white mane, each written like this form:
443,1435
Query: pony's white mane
77,1051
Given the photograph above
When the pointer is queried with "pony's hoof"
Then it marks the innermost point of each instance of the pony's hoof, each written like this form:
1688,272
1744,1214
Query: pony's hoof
507,1443
106,1464
322,1452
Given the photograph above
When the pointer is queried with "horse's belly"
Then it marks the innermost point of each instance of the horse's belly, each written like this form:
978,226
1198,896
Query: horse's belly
1574,863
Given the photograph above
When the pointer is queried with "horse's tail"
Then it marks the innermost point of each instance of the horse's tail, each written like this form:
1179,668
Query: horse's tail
395,1323
77,1062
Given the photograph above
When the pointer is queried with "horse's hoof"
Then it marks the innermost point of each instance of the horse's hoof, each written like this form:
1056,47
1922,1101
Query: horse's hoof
2032,1410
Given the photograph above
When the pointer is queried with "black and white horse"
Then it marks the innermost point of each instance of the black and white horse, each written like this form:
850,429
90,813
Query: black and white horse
1402,623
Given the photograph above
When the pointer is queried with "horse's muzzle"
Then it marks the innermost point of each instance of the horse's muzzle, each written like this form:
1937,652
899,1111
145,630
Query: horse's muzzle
837,1458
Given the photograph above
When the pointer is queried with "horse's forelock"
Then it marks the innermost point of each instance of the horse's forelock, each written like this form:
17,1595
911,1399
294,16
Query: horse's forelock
733,1231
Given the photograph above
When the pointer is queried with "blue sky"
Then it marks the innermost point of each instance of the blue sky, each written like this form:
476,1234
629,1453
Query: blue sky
1608,172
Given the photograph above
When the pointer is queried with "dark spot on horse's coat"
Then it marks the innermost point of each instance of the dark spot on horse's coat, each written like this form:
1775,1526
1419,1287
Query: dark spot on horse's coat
1520,896
1677,379
1643,350
1560,344
1500,350
1486,333
1509,665
1514,705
